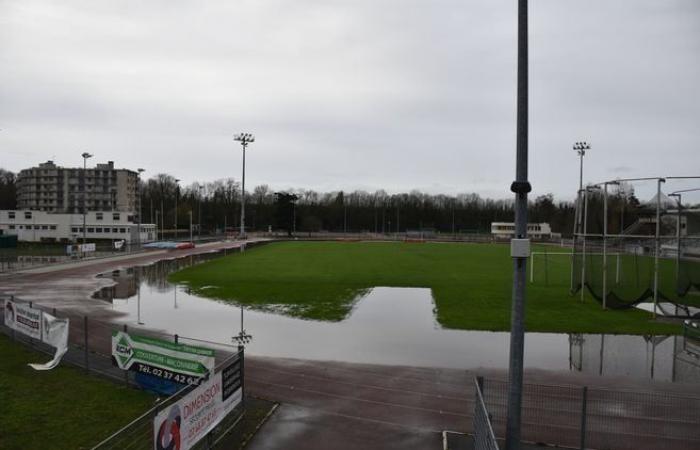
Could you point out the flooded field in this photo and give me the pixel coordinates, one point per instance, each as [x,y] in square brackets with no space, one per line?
[387,326]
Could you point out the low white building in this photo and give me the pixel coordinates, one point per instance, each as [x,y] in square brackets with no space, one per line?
[506,230]
[41,226]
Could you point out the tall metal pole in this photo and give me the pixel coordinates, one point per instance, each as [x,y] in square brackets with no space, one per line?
[244,144]
[585,232]
[605,244]
[85,156]
[520,187]
[138,224]
[199,225]
[657,246]
[244,139]
[177,194]
[191,240]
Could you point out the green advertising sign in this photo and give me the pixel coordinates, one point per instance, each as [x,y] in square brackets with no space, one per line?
[168,360]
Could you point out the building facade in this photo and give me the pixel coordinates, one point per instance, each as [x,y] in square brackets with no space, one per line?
[506,230]
[55,189]
[42,226]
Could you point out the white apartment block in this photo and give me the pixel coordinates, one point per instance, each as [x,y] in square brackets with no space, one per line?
[42,226]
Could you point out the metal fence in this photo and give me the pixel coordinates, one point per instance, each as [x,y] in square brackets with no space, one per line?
[598,418]
[484,437]
[31,256]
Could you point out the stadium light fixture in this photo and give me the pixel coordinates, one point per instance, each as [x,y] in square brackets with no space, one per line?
[580,148]
[244,139]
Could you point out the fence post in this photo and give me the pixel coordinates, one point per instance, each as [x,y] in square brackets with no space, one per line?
[14,338]
[177,339]
[126,372]
[584,402]
[241,355]
[53,311]
[85,331]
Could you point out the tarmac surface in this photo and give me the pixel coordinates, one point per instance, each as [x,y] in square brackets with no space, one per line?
[345,405]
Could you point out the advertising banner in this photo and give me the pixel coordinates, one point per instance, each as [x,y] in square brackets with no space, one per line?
[80,248]
[20,317]
[181,363]
[55,334]
[41,326]
[186,422]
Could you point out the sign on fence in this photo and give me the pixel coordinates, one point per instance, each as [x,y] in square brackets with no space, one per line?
[186,422]
[181,363]
[80,248]
[41,326]
[23,318]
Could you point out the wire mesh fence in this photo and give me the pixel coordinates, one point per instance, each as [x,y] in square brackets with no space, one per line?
[586,417]
[484,437]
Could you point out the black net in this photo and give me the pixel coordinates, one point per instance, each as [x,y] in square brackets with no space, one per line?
[624,269]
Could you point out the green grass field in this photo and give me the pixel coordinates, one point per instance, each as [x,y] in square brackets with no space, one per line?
[471,285]
[61,408]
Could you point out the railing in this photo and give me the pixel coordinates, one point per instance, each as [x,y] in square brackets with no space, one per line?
[484,438]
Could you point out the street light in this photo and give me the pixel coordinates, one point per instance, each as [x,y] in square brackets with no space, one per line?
[85,156]
[244,139]
[177,193]
[138,226]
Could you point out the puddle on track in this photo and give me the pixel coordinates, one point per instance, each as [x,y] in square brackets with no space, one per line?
[394,326]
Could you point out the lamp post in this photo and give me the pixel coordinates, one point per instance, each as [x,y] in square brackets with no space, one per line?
[138,224]
[580,148]
[85,156]
[177,194]
[244,139]
[520,244]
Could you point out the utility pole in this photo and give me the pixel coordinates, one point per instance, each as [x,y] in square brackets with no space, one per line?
[244,139]
[85,156]
[520,245]
[177,194]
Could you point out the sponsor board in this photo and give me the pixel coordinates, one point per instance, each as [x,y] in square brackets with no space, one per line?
[182,363]
[80,248]
[22,318]
[41,326]
[184,423]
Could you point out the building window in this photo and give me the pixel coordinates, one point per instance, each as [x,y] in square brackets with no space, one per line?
[115,230]
[91,230]
[27,214]
[12,227]
[37,227]
[44,227]
[74,229]
[97,230]
[115,216]
[98,216]
[122,230]
[53,227]
[10,214]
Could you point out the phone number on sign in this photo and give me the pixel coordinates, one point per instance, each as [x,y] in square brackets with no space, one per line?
[167,374]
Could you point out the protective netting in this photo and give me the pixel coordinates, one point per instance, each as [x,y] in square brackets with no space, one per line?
[624,265]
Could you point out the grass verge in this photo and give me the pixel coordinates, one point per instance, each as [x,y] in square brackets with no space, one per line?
[61,408]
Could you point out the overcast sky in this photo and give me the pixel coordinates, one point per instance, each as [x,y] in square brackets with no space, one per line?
[361,94]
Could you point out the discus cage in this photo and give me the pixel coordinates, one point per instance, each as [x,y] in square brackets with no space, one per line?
[636,243]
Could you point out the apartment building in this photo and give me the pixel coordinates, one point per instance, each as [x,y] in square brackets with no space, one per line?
[51,188]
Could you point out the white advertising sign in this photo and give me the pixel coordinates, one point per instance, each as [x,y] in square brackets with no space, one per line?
[54,333]
[39,325]
[184,423]
[22,318]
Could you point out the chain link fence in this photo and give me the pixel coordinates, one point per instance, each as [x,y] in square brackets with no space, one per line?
[598,418]
[484,437]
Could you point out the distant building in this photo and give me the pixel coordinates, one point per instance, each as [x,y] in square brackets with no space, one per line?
[41,226]
[55,189]
[506,230]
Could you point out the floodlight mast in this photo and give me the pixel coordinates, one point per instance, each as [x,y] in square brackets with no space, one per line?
[244,139]
[581,148]
[85,156]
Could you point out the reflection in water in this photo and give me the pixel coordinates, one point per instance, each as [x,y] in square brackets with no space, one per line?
[389,326]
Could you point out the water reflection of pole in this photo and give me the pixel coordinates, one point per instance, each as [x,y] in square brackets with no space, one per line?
[602,350]
[138,298]
[175,295]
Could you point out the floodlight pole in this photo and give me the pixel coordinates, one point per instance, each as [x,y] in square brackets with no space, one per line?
[580,148]
[244,139]
[519,245]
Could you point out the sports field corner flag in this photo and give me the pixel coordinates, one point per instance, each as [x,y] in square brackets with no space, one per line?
[41,326]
